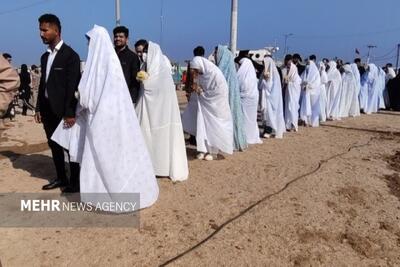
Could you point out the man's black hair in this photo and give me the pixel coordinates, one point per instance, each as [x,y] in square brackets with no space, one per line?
[199,51]
[297,56]
[142,42]
[24,68]
[357,60]
[242,54]
[288,57]
[389,65]
[313,57]
[122,29]
[7,55]
[52,19]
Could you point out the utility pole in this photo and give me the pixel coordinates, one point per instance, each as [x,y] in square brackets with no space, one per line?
[234,22]
[397,60]
[117,12]
[369,51]
[285,50]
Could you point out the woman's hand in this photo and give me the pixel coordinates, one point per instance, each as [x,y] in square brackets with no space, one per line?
[196,88]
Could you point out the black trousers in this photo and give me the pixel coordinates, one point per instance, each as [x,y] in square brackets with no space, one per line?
[26,106]
[50,122]
[10,113]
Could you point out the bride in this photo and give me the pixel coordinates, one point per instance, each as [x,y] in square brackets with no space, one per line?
[107,140]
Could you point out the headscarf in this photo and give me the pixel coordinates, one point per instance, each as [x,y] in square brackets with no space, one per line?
[293,73]
[102,68]
[226,63]
[216,118]
[160,119]
[311,76]
[210,73]
[333,73]
[322,72]
[272,86]
[247,75]
[390,75]
[107,127]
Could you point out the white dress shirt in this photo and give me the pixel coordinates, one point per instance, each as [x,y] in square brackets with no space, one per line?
[50,59]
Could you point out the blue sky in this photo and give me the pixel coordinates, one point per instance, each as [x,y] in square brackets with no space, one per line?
[326,28]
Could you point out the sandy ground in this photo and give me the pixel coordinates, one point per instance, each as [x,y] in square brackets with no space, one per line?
[320,197]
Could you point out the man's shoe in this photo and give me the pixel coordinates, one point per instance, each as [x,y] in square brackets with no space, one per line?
[54,184]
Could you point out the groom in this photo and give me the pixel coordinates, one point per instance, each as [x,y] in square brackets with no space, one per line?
[60,67]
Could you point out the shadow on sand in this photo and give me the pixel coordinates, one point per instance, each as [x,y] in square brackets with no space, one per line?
[38,166]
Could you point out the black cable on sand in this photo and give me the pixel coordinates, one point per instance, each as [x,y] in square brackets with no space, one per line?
[243,212]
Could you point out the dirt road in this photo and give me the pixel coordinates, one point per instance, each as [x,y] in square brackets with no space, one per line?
[322,197]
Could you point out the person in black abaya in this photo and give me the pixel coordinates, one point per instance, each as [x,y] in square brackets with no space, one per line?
[394,93]
[25,88]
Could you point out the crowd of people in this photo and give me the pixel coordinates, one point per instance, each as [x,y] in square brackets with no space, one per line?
[26,96]
[119,120]
[285,96]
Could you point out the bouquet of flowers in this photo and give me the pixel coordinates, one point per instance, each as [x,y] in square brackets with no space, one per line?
[142,76]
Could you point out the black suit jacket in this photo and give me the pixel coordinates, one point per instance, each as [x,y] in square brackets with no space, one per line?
[300,69]
[130,66]
[62,83]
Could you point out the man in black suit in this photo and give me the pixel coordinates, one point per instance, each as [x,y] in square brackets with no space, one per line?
[297,60]
[129,60]
[360,66]
[60,67]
